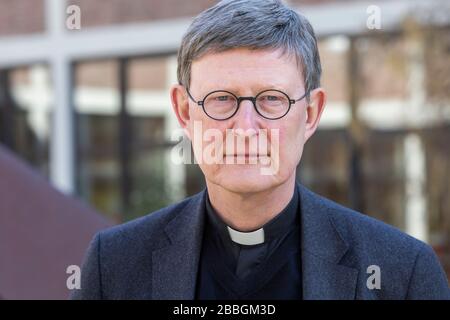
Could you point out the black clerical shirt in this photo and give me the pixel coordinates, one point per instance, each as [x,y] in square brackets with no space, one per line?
[269,270]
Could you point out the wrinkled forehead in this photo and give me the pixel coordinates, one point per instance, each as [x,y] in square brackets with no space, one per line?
[248,68]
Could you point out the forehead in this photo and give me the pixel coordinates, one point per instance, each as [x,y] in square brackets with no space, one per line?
[237,68]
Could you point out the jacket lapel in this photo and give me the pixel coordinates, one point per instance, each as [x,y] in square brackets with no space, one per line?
[175,266]
[324,276]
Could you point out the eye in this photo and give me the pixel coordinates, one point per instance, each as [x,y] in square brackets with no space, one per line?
[223,98]
[272,98]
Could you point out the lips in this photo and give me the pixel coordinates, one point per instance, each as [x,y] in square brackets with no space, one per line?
[247,155]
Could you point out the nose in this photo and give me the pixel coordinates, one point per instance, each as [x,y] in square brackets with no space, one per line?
[246,116]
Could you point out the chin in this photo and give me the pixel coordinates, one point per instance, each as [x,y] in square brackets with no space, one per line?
[245,179]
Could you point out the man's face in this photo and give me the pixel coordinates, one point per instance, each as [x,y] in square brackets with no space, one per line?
[247,72]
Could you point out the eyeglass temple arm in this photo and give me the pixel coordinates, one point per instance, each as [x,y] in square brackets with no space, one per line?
[302,97]
[200,103]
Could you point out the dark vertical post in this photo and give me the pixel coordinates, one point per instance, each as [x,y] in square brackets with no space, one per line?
[124,139]
[75,127]
[7,117]
[355,131]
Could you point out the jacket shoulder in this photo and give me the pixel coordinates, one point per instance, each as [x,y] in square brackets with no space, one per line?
[409,267]
[146,228]
[360,230]
[118,263]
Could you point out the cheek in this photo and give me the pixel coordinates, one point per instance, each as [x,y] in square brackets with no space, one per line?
[291,139]
[296,129]
[195,116]
[291,145]
[206,134]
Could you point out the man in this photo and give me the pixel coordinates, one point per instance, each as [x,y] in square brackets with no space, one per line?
[251,70]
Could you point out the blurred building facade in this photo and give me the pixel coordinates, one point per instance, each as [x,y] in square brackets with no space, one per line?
[90,108]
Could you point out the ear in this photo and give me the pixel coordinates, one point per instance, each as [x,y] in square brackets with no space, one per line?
[314,111]
[180,105]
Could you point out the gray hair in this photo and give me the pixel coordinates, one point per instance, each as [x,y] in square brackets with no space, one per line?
[252,24]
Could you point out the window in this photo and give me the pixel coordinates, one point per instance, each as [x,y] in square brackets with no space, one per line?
[97,107]
[124,127]
[25,113]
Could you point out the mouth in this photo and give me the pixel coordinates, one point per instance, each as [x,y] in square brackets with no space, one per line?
[247,155]
[246,158]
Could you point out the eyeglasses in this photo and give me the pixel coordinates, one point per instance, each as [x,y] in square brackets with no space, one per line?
[271,104]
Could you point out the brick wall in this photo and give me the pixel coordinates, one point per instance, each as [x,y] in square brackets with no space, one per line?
[28,16]
[21,17]
[106,12]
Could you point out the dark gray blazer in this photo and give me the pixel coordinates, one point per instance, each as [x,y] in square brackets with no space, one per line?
[157,256]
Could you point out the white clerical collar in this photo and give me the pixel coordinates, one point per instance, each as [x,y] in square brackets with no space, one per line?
[247,238]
